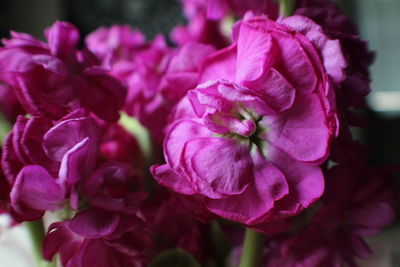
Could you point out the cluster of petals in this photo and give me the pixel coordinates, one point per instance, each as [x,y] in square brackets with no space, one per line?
[139,65]
[109,232]
[52,166]
[247,142]
[52,79]
[43,161]
[157,76]
[359,202]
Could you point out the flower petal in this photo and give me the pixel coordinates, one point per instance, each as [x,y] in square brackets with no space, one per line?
[94,223]
[255,53]
[301,131]
[253,205]
[36,189]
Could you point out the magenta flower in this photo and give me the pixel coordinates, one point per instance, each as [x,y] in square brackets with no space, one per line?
[141,66]
[273,116]
[157,75]
[43,162]
[108,233]
[52,79]
[115,43]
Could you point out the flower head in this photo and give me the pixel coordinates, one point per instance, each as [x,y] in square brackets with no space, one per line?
[249,141]
[52,79]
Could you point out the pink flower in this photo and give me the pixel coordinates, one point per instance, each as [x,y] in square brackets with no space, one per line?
[115,43]
[157,75]
[141,66]
[51,79]
[273,116]
[144,77]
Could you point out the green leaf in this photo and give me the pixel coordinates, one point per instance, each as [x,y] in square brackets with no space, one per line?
[142,135]
[175,258]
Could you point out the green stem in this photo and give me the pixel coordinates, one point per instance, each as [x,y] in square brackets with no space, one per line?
[5,128]
[252,249]
[36,233]
[286,7]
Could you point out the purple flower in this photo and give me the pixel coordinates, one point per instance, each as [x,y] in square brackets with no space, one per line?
[157,76]
[141,66]
[268,112]
[43,161]
[106,231]
[115,43]
[52,79]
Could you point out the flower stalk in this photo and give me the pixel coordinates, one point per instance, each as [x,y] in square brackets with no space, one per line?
[5,128]
[36,234]
[286,7]
[252,249]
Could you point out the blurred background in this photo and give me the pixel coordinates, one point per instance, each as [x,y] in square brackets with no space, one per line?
[378,21]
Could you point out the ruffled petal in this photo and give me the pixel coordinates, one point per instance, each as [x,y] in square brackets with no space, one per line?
[222,166]
[301,131]
[220,65]
[255,53]
[254,204]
